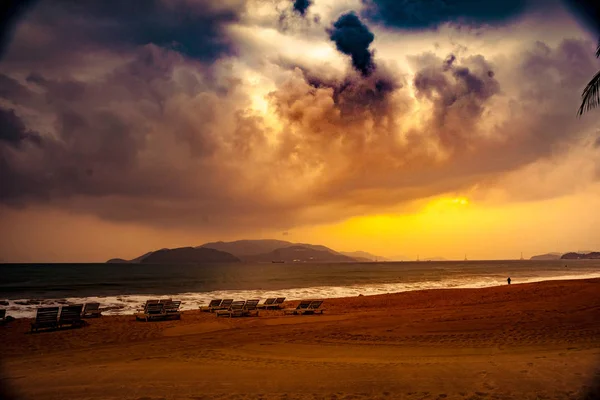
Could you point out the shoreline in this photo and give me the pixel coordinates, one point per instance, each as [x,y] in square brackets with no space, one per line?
[526,341]
[124,304]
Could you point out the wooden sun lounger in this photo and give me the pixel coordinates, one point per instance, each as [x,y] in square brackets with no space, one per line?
[279,301]
[270,302]
[70,315]
[250,308]
[236,308]
[153,311]
[91,310]
[314,308]
[212,305]
[46,317]
[225,304]
[171,309]
[148,302]
[299,309]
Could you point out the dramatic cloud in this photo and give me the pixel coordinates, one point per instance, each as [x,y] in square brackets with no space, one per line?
[429,14]
[458,95]
[12,129]
[587,11]
[10,13]
[353,38]
[159,121]
[61,31]
[300,6]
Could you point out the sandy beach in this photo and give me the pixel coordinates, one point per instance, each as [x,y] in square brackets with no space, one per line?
[529,341]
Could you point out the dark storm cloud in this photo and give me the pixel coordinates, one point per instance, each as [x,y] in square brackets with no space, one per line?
[13,130]
[587,11]
[353,38]
[10,13]
[193,28]
[458,94]
[354,96]
[11,89]
[429,14]
[301,6]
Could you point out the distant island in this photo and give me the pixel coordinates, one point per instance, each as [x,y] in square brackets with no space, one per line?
[574,255]
[547,256]
[267,250]
[181,255]
[594,255]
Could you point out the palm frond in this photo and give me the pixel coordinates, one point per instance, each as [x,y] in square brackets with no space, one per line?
[590,98]
[598,49]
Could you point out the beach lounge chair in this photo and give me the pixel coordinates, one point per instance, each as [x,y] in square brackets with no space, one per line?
[70,315]
[299,309]
[279,302]
[314,308]
[171,309]
[211,306]
[152,311]
[91,310]
[270,302]
[148,302]
[235,309]
[225,304]
[46,317]
[250,308]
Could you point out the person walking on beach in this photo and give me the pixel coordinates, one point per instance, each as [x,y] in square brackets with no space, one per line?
[508,280]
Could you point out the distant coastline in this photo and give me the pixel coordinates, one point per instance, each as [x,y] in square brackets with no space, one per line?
[281,251]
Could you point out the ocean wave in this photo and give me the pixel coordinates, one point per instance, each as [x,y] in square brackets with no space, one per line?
[128,304]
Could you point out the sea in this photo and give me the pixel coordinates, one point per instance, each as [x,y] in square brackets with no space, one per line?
[124,288]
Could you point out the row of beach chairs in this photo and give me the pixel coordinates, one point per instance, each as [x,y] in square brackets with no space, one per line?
[160,310]
[57,317]
[274,303]
[306,307]
[248,308]
[231,308]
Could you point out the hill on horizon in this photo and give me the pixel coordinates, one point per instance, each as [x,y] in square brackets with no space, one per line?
[249,247]
[299,254]
[181,255]
[547,256]
[261,250]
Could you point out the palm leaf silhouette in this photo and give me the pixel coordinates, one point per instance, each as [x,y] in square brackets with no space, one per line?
[590,98]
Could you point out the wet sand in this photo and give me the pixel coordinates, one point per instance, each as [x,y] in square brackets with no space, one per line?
[530,341]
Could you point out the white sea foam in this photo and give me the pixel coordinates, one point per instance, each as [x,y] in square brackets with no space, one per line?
[128,304]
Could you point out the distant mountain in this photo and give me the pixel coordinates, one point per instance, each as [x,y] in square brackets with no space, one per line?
[299,254]
[182,255]
[265,250]
[363,256]
[581,256]
[547,256]
[245,248]
[117,261]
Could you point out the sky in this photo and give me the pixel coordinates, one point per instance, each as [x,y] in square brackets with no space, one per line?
[437,128]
